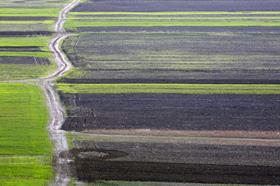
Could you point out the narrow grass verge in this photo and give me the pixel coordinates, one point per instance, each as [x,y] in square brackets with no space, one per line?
[169,88]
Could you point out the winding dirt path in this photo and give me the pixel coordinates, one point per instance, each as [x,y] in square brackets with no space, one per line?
[56,110]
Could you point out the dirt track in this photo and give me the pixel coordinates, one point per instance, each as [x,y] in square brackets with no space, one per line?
[56,110]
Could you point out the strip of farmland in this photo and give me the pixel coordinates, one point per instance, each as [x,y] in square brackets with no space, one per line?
[178,5]
[23,25]
[26,152]
[168,57]
[169,88]
[208,19]
[177,107]
[181,91]
[24,57]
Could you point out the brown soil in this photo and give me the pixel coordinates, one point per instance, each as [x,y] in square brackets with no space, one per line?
[175,163]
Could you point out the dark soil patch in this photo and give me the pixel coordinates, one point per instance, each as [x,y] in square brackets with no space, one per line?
[176,163]
[24,18]
[24,60]
[169,172]
[175,57]
[23,33]
[172,112]
[22,48]
[178,5]
[195,81]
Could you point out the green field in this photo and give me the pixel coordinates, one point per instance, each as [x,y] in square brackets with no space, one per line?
[42,12]
[164,19]
[170,88]
[24,19]
[19,72]
[25,25]
[39,41]
[12,42]
[26,28]
[131,62]
[25,71]
[25,151]
[171,22]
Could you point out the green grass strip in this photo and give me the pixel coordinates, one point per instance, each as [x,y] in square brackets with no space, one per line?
[36,12]
[149,19]
[13,22]
[32,54]
[170,88]
[172,22]
[22,71]
[177,18]
[41,41]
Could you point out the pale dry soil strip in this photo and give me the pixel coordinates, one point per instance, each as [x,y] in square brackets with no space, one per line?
[57,115]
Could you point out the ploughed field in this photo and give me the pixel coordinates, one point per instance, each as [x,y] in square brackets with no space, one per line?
[172,112]
[168,57]
[180,162]
[181,91]
[171,106]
